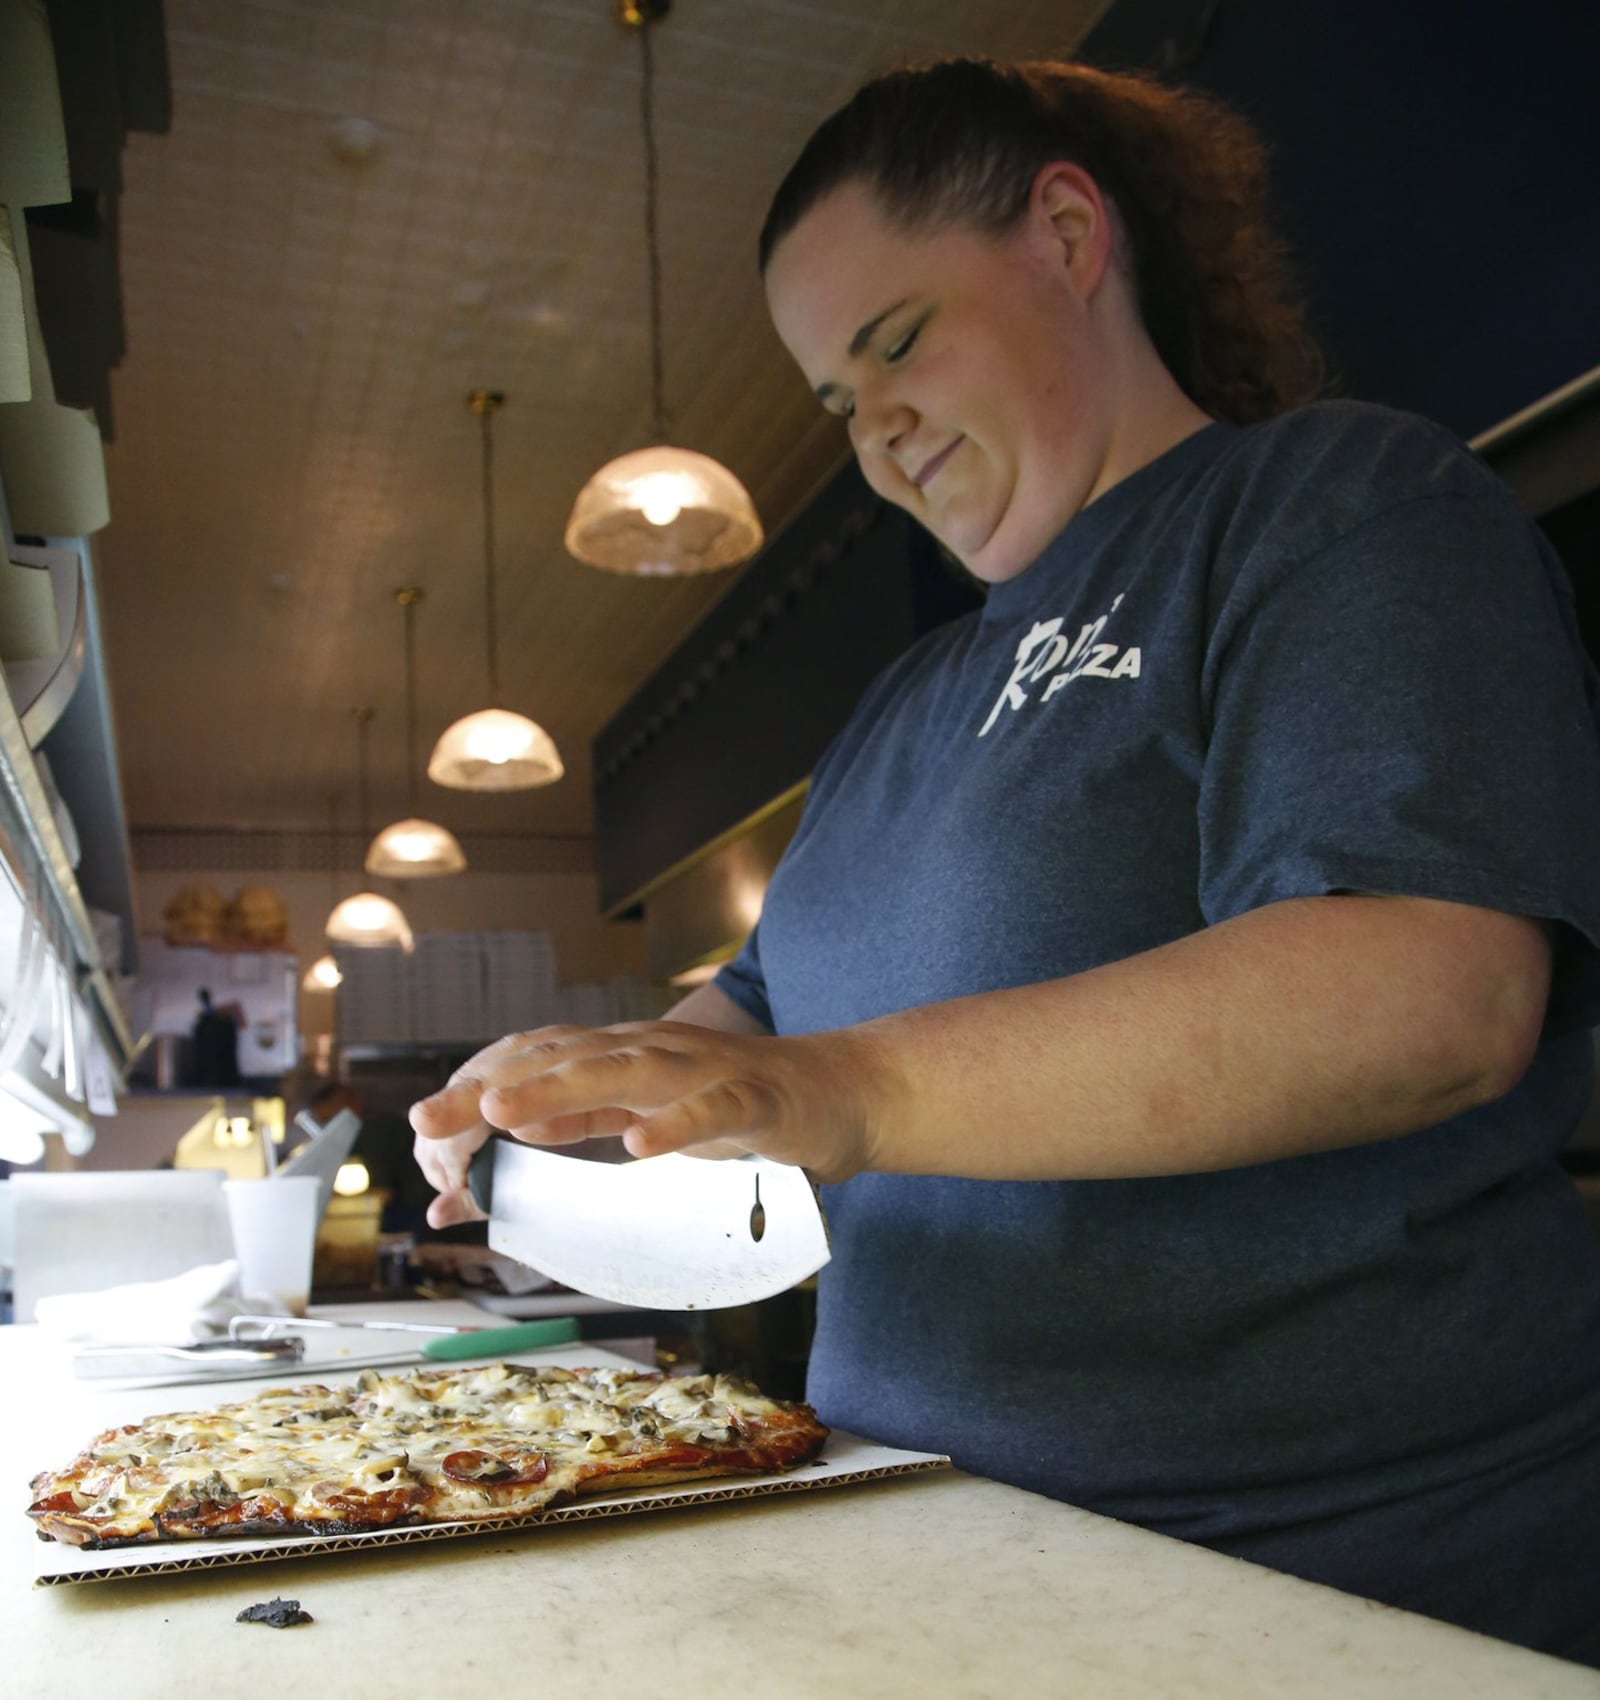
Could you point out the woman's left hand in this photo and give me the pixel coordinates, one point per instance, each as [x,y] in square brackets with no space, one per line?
[815,1100]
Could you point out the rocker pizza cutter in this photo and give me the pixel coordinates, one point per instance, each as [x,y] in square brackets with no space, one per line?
[663,1233]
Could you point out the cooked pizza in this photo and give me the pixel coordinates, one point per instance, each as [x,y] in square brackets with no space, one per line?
[430,1445]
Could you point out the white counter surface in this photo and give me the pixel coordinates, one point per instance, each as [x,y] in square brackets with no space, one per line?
[937,1585]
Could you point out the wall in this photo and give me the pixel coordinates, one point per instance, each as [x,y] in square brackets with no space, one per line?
[1401,137]
[566,905]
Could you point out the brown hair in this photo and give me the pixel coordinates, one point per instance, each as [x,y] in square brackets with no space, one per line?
[962,140]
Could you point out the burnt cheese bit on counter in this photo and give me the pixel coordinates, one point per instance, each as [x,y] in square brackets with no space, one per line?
[281,1614]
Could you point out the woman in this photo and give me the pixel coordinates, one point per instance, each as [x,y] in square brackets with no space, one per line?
[1181,971]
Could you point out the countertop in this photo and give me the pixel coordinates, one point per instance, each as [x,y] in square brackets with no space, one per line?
[932,1585]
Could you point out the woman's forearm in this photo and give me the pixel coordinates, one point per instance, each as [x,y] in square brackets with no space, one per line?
[1302,1026]
[706,1006]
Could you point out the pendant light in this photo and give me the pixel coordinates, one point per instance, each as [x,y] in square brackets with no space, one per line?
[494,749]
[323,975]
[367,919]
[413,848]
[661,510]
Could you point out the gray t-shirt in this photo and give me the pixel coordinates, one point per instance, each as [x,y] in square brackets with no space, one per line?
[1322,654]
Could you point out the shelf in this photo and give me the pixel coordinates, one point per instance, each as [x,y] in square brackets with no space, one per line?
[31,841]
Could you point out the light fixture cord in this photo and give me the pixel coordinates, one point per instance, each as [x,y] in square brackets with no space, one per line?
[333,849]
[487,417]
[410,605]
[652,236]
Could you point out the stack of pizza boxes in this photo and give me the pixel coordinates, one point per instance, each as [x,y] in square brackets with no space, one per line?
[447,972]
[520,990]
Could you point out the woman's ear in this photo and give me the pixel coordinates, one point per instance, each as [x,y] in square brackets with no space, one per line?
[1075,219]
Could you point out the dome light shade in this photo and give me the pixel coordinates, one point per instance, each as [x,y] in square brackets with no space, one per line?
[494,750]
[663,511]
[322,976]
[351,1180]
[370,921]
[414,849]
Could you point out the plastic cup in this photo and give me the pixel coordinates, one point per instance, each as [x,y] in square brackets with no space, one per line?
[274,1225]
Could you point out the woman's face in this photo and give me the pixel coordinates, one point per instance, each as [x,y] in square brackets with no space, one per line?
[970,368]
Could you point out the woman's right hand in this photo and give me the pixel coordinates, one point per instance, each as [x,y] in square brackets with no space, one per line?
[450,1128]
[455,1130]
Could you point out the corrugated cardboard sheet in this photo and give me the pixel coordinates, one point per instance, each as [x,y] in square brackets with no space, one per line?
[845,1459]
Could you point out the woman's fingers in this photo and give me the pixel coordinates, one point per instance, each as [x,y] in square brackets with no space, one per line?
[639,1067]
[609,1122]
[444,1161]
[449,1208]
[606,1077]
[736,1110]
[448,1112]
[455,1108]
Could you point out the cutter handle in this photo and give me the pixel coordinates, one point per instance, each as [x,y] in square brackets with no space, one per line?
[480,1176]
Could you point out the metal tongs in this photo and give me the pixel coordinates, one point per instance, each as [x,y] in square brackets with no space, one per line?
[265,1328]
[447,1340]
[255,1345]
[216,1357]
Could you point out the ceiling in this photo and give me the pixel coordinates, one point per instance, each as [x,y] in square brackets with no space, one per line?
[303,327]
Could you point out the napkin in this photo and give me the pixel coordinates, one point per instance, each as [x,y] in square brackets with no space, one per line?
[191,1306]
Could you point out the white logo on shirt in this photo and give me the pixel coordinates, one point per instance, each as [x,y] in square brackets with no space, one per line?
[1046,650]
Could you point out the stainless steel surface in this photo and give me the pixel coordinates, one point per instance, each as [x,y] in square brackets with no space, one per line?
[1584,388]
[667,1233]
[169,1060]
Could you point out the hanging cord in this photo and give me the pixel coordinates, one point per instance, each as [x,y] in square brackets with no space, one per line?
[408,600]
[333,851]
[484,403]
[652,235]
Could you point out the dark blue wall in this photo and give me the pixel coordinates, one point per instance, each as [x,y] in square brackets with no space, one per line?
[1437,164]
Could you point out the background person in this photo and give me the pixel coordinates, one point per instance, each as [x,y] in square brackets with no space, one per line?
[214,1042]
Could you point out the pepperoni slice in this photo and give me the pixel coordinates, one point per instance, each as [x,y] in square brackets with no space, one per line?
[496,1469]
